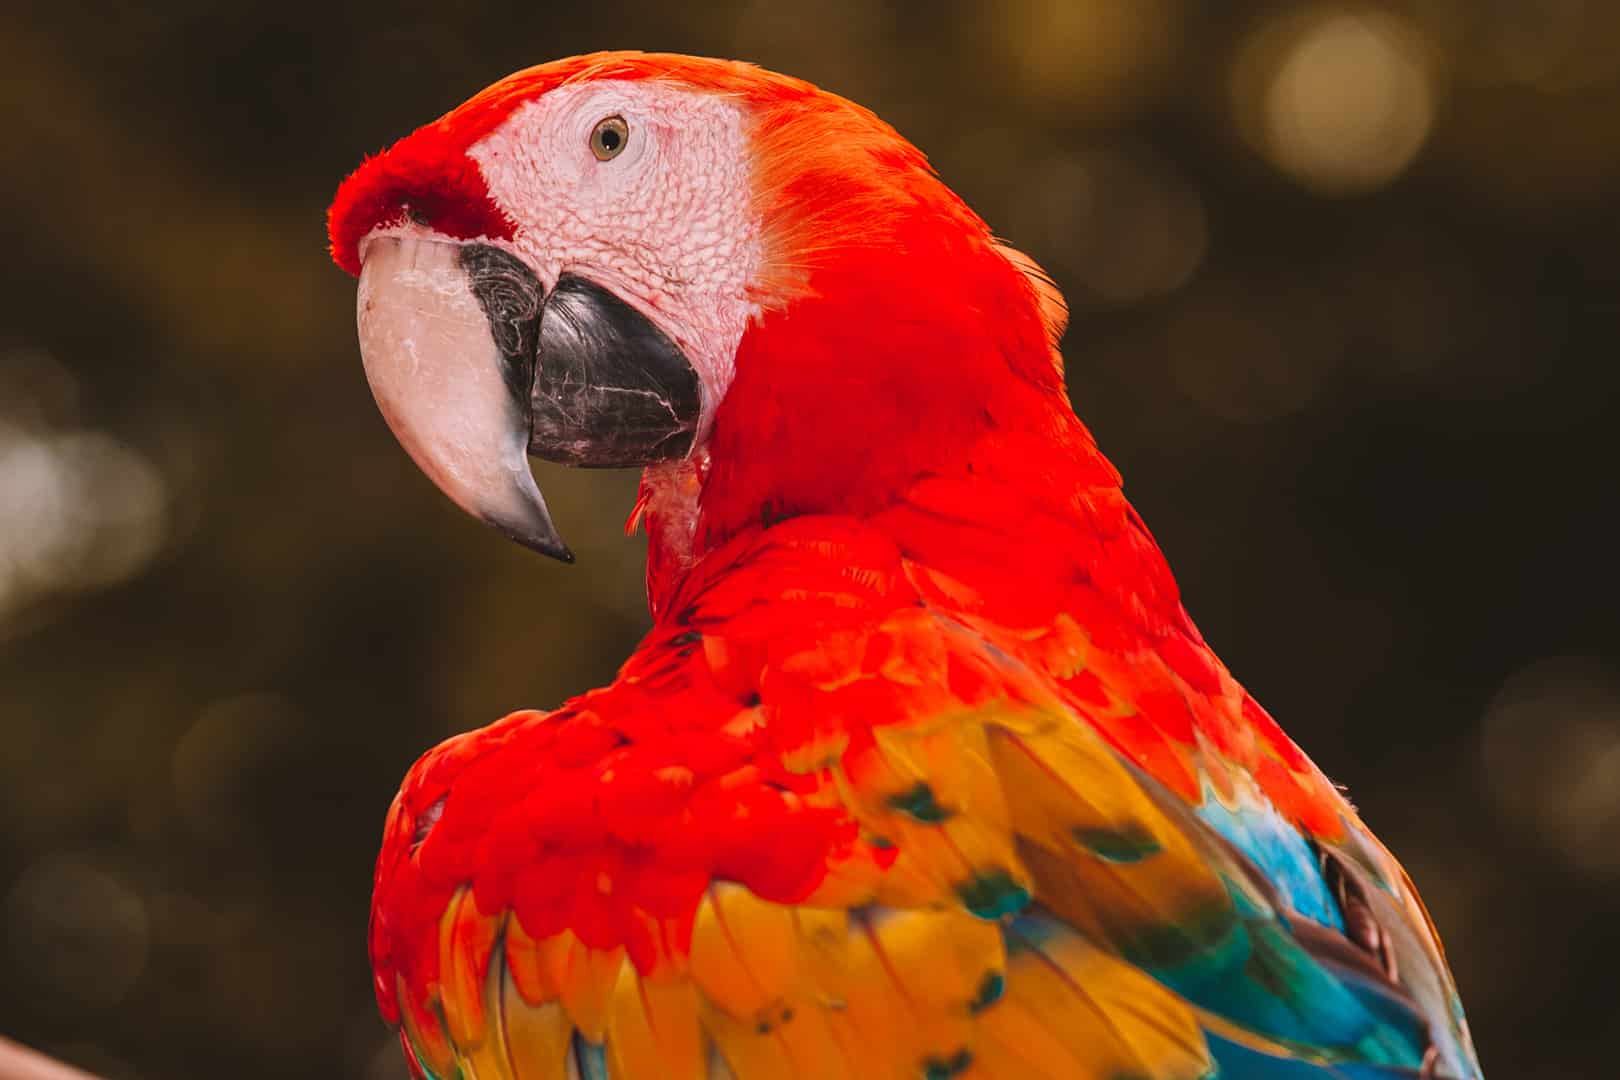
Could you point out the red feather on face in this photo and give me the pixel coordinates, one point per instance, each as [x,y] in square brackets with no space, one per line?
[922,769]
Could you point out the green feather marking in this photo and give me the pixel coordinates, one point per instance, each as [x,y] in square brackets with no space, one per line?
[1130,844]
[990,991]
[993,894]
[919,803]
[945,1068]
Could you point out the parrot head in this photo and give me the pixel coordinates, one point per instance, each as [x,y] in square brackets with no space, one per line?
[754,287]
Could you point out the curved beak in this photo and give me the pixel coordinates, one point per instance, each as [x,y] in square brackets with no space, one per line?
[463,352]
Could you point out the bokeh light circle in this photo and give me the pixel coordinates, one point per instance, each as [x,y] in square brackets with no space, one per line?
[1341,101]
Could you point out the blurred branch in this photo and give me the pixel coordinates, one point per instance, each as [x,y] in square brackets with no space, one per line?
[20,1063]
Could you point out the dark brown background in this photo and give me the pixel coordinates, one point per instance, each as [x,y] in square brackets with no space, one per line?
[1346,316]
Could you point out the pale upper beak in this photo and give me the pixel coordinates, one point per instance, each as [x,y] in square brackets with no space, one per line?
[474,367]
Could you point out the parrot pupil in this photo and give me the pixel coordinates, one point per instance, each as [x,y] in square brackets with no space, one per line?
[608,137]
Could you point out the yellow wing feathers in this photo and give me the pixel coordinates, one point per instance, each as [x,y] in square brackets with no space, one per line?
[771,992]
[1024,852]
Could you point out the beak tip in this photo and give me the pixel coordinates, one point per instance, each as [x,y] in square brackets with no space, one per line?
[544,541]
[559,552]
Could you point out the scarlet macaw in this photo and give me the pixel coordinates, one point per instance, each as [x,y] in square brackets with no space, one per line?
[922,771]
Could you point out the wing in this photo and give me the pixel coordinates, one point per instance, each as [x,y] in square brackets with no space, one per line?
[825,825]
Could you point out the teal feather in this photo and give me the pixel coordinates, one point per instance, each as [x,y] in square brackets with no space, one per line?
[590,1058]
[1235,1062]
[1261,978]
[1276,847]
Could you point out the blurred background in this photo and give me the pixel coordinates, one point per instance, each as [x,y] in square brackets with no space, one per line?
[1347,315]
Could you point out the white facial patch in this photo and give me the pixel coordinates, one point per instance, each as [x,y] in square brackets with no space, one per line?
[668,224]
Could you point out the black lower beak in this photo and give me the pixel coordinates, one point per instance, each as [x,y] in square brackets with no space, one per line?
[474,367]
[610,388]
[602,387]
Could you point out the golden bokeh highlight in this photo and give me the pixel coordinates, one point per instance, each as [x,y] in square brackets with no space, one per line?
[1342,101]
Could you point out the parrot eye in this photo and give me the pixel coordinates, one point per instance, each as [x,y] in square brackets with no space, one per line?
[608,137]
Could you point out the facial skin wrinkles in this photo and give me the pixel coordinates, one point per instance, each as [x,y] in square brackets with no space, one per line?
[669,224]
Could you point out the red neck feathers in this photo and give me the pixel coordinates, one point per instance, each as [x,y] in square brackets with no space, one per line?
[904,363]
[915,384]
